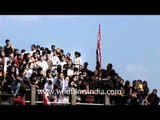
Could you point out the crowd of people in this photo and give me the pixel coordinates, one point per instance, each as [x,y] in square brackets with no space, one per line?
[50,69]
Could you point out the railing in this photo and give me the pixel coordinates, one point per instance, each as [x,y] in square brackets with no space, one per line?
[73,99]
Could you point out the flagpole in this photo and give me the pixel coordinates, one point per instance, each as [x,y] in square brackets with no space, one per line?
[99,50]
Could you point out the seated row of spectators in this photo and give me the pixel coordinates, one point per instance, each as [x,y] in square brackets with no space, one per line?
[53,70]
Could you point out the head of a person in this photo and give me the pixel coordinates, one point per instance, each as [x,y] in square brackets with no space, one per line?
[74,78]
[145,84]
[81,76]
[13,69]
[49,73]
[52,47]
[61,75]
[76,69]
[42,57]
[58,51]
[20,56]
[44,53]
[33,47]
[127,83]
[121,81]
[54,53]
[40,70]
[50,82]
[68,59]
[42,48]
[76,54]
[84,74]
[33,77]
[68,55]
[38,47]
[48,54]
[28,55]
[7,42]
[2,54]
[109,66]
[16,51]
[46,49]
[67,78]
[1,48]
[72,66]
[134,83]
[85,65]
[35,55]
[154,91]
[23,50]
[38,52]
[139,81]
[62,52]
[25,56]
[63,58]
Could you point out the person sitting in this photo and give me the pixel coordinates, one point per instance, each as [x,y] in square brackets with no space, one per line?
[152,98]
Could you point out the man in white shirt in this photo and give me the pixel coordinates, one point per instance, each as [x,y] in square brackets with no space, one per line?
[55,60]
[48,87]
[78,60]
[63,62]
[66,89]
[43,64]
[53,47]
[62,86]
[70,71]
[28,71]
[33,49]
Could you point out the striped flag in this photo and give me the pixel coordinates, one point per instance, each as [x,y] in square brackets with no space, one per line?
[45,99]
[99,50]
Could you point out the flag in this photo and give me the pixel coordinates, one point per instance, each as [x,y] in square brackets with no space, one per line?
[99,50]
[45,99]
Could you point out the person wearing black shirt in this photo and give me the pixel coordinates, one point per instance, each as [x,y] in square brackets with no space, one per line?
[153,99]
[8,49]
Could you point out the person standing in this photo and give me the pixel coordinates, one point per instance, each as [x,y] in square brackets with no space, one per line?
[8,48]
